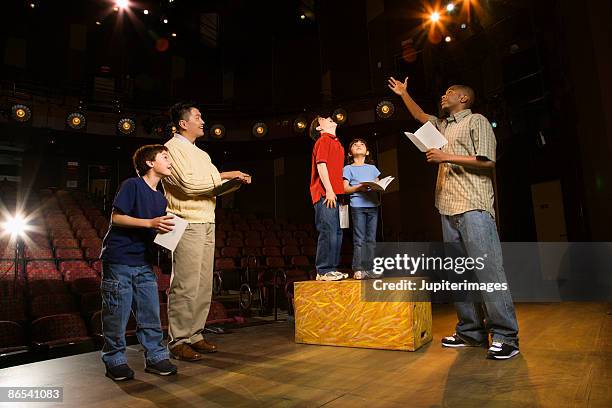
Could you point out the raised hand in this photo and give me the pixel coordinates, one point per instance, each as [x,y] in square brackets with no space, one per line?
[397,86]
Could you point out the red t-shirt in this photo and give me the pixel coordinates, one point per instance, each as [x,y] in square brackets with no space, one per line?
[329,150]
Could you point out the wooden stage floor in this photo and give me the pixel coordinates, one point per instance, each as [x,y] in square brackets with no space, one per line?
[565,361]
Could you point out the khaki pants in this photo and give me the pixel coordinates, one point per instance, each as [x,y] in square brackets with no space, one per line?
[191,284]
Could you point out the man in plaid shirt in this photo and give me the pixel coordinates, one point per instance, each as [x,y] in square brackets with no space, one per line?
[464,198]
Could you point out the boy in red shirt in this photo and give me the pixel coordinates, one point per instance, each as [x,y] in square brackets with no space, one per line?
[325,184]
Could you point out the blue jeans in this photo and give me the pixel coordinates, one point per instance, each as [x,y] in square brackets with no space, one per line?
[126,289]
[327,222]
[477,232]
[365,221]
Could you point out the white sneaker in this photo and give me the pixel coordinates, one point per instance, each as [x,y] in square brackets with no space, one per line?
[332,276]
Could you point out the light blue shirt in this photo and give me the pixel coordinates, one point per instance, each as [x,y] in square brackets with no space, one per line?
[358,174]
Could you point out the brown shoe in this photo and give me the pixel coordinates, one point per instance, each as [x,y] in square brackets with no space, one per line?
[185,352]
[203,346]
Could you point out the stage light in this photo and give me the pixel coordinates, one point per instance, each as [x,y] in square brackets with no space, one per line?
[303,17]
[494,124]
[146,12]
[340,116]
[32,5]
[299,125]
[21,113]
[126,126]
[217,131]
[448,38]
[385,109]
[450,7]
[463,26]
[174,34]
[434,17]
[15,225]
[115,8]
[122,3]
[165,21]
[98,23]
[76,120]
[259,130]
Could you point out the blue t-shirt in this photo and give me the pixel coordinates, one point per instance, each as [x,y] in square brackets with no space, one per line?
[133,246]
[358,174]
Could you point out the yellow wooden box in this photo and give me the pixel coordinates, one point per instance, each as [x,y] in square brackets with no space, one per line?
[337,314]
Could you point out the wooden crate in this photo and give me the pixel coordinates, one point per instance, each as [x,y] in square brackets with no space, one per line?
[336,314]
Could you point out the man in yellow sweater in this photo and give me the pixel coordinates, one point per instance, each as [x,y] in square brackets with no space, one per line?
[189,191]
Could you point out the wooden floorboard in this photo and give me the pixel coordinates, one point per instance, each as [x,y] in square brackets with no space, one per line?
[565,361]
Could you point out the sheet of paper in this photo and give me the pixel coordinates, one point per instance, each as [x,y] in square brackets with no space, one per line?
[343,210]
[170,240]
[427,137]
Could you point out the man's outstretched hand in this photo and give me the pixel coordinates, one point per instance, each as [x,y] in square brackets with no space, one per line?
[397,86]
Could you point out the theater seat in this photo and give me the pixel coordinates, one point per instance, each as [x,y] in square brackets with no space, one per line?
[51,304]
[66,253]
[12,338]
[59,330]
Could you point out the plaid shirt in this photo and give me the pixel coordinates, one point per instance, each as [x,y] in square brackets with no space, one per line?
[460,189]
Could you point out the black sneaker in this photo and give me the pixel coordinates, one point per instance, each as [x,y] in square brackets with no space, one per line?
[121,372]
[456,341]
[501,351]
[164,367]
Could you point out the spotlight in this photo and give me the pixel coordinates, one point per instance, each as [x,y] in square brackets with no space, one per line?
[98,23]
[165,20]
[122,3]
[76,121]
[450,7]
[434,17]
[115,8]
[174,34]
[448,38]
[494,124]
[32,5]
[463,26]
[385,109]
[217,131]
[146,12]
[259,130]
[340,116]
[303,17]
[299,125]
[21,113]
[126,126]
[16,226]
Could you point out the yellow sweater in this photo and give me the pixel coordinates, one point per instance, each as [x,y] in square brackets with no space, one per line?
[189,188]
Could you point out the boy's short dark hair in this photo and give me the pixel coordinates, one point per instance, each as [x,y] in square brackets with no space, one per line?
[468,91]
[312,131]
[143,155]
[181,111]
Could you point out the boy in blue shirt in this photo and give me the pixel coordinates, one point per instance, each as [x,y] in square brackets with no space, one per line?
[364,207]
[128,281]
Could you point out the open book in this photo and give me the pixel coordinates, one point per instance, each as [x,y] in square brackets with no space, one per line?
[427,137]
[170,240]
[380,185]
[227,186]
